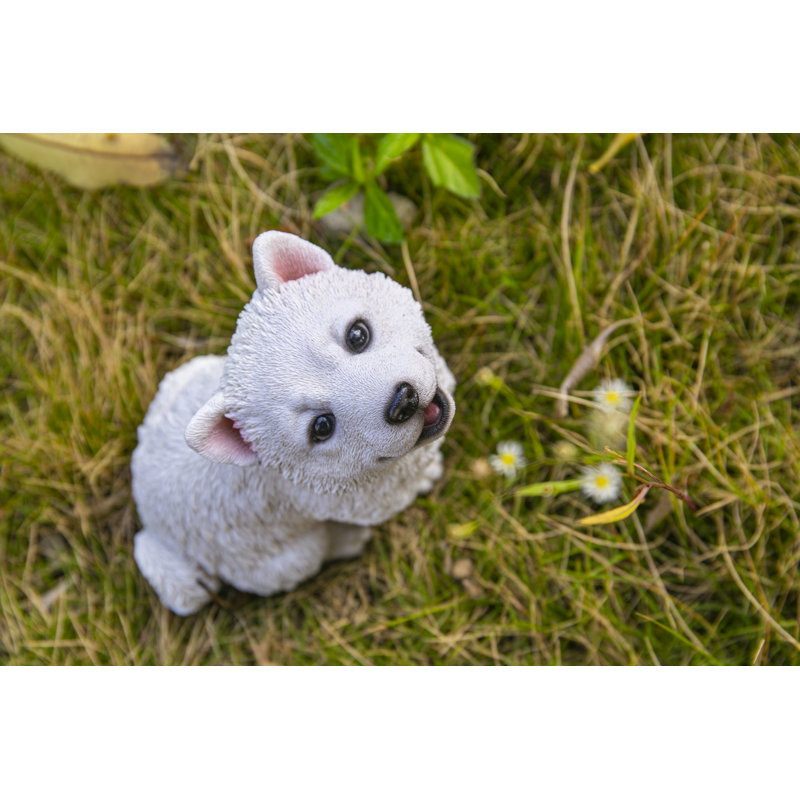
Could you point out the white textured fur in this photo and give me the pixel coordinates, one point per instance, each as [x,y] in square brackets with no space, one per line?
[228,483]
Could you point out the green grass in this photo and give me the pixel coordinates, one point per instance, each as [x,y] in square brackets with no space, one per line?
[695,239]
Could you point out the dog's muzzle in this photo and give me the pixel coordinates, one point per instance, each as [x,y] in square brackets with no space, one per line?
[437,416]
[404,406]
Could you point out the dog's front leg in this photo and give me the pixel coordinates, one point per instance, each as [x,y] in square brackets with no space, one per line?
[346,541]
[432,470]
[181,584]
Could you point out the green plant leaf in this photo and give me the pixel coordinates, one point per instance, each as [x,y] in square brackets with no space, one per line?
[549,488]
[392,146]
[380,216]
[334,150]
[334,197]
[357,162]
[448,161]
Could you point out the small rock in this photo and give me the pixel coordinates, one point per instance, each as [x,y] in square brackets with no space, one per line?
[351,215]
[481,469]
[463,568]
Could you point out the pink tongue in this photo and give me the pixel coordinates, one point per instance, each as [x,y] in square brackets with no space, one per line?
[432,414]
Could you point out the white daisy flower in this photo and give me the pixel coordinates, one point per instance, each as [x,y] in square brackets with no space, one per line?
[614,395]
[601,483]
[508,459]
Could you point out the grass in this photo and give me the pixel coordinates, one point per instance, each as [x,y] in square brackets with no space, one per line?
[694,239]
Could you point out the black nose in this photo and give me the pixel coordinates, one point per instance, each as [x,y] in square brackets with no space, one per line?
[404,404]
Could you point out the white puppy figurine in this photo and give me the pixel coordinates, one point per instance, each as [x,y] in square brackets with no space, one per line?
[324,418]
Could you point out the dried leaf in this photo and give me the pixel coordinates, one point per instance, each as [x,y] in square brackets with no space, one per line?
[49,598]
[95,160]
[619,513]
[585,361]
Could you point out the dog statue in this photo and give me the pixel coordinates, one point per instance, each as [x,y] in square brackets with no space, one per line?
[324,418]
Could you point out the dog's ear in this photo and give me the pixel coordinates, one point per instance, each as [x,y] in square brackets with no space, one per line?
[214,436]
[280,257]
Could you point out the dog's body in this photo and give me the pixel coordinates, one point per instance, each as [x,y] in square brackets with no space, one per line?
[325,417]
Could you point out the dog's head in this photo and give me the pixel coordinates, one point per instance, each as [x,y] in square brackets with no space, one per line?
[331,375]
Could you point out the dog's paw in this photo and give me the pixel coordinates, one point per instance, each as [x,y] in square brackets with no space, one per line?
[431,474]
[346,541]
[180,585]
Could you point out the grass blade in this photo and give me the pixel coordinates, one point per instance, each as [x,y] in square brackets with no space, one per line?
[631,450]
[617,143]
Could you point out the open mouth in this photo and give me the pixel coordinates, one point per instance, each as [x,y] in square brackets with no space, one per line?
[435,418]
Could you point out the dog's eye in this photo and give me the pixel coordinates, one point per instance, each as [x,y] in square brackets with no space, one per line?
[322,428]
[358,336]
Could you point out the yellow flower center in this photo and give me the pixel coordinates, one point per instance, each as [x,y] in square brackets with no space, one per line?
[612,398]
[601,481]
[508,459]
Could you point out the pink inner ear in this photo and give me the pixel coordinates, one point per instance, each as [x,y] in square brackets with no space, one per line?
[292,263]
[282,257]
[225,440]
